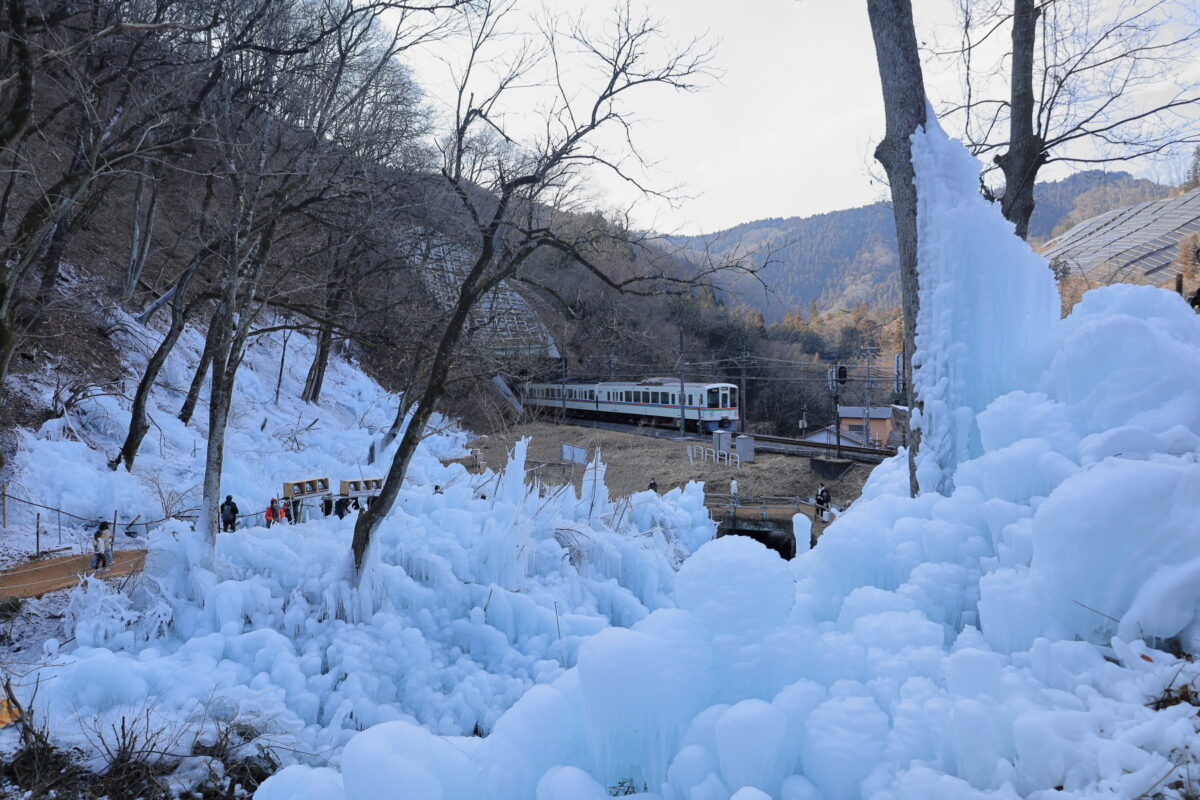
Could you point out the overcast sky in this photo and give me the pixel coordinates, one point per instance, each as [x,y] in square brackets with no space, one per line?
[788,128]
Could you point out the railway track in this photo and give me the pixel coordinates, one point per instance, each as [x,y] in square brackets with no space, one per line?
[853,452]
[768,444]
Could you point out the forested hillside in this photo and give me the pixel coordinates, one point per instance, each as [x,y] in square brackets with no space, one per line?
[846,257]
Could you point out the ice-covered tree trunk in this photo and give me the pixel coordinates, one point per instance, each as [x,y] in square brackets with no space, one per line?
[987,313]
[904,108]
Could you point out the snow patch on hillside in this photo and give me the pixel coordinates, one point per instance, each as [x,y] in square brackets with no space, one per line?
[470,596]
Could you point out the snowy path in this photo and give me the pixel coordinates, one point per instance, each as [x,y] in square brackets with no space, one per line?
[34,580]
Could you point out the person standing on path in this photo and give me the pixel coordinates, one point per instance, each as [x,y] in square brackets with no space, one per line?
[106,535]
[229,515]
[274,512]
[733,492]
[823,501]
[99,559]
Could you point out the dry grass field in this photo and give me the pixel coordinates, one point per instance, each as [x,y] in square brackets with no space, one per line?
[633,461]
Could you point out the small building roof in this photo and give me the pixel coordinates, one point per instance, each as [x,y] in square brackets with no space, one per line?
[828,435]
[860,412]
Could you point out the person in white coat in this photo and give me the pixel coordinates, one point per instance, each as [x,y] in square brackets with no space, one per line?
[733,492]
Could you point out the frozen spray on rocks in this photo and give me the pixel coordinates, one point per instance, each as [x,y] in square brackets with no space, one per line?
[465,605]
[932,647]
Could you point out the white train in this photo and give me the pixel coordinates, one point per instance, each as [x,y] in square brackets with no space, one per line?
[706,406]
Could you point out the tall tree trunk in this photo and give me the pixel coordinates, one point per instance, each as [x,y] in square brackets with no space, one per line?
[138,422]
[904,107]
[219,401]
[233,320]
[315,379]
[141,232]
[1026,150]
[214,456]
[282,364]
[435,387]
[206,358]
[316,371]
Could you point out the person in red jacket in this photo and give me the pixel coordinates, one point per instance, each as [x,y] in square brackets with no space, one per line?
[274,512]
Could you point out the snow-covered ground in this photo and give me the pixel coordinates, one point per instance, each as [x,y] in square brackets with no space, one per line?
[470,597]
[985,639]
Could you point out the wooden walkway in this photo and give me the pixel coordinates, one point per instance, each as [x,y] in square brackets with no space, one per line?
[48,575]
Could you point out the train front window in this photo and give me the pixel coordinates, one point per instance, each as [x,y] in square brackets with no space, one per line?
[714,398]
[733,398]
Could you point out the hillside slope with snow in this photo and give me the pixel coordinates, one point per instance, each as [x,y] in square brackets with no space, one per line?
[995,637]
[471,594]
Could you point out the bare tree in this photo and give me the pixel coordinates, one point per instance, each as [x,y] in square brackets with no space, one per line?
[1089,82]
[527,180]
[88,90]
[279,127]
[905,107]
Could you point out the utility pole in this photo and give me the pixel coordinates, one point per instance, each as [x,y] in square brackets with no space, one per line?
[563,399]
[682,396]
[870,351]
[742,404]
[837,379]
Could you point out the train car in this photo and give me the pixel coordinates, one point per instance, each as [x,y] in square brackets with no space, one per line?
[706,406]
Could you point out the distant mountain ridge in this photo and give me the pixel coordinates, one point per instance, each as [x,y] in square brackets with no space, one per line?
[841,258]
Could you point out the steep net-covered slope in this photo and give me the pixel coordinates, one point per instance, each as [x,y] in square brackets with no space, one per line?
[985,641]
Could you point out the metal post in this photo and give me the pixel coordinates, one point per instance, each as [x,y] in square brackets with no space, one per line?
[742,404]
[564,380]
[837,425]
[37,533]
[682,395]
[835,388]
[4,505]
[58,513]
[869,352]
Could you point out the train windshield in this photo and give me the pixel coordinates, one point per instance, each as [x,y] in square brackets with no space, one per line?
[733,398]
[714,398]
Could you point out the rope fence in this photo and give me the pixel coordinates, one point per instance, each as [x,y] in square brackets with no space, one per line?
[132,526]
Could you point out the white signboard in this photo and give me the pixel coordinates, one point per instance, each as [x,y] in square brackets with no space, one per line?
[574,455]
